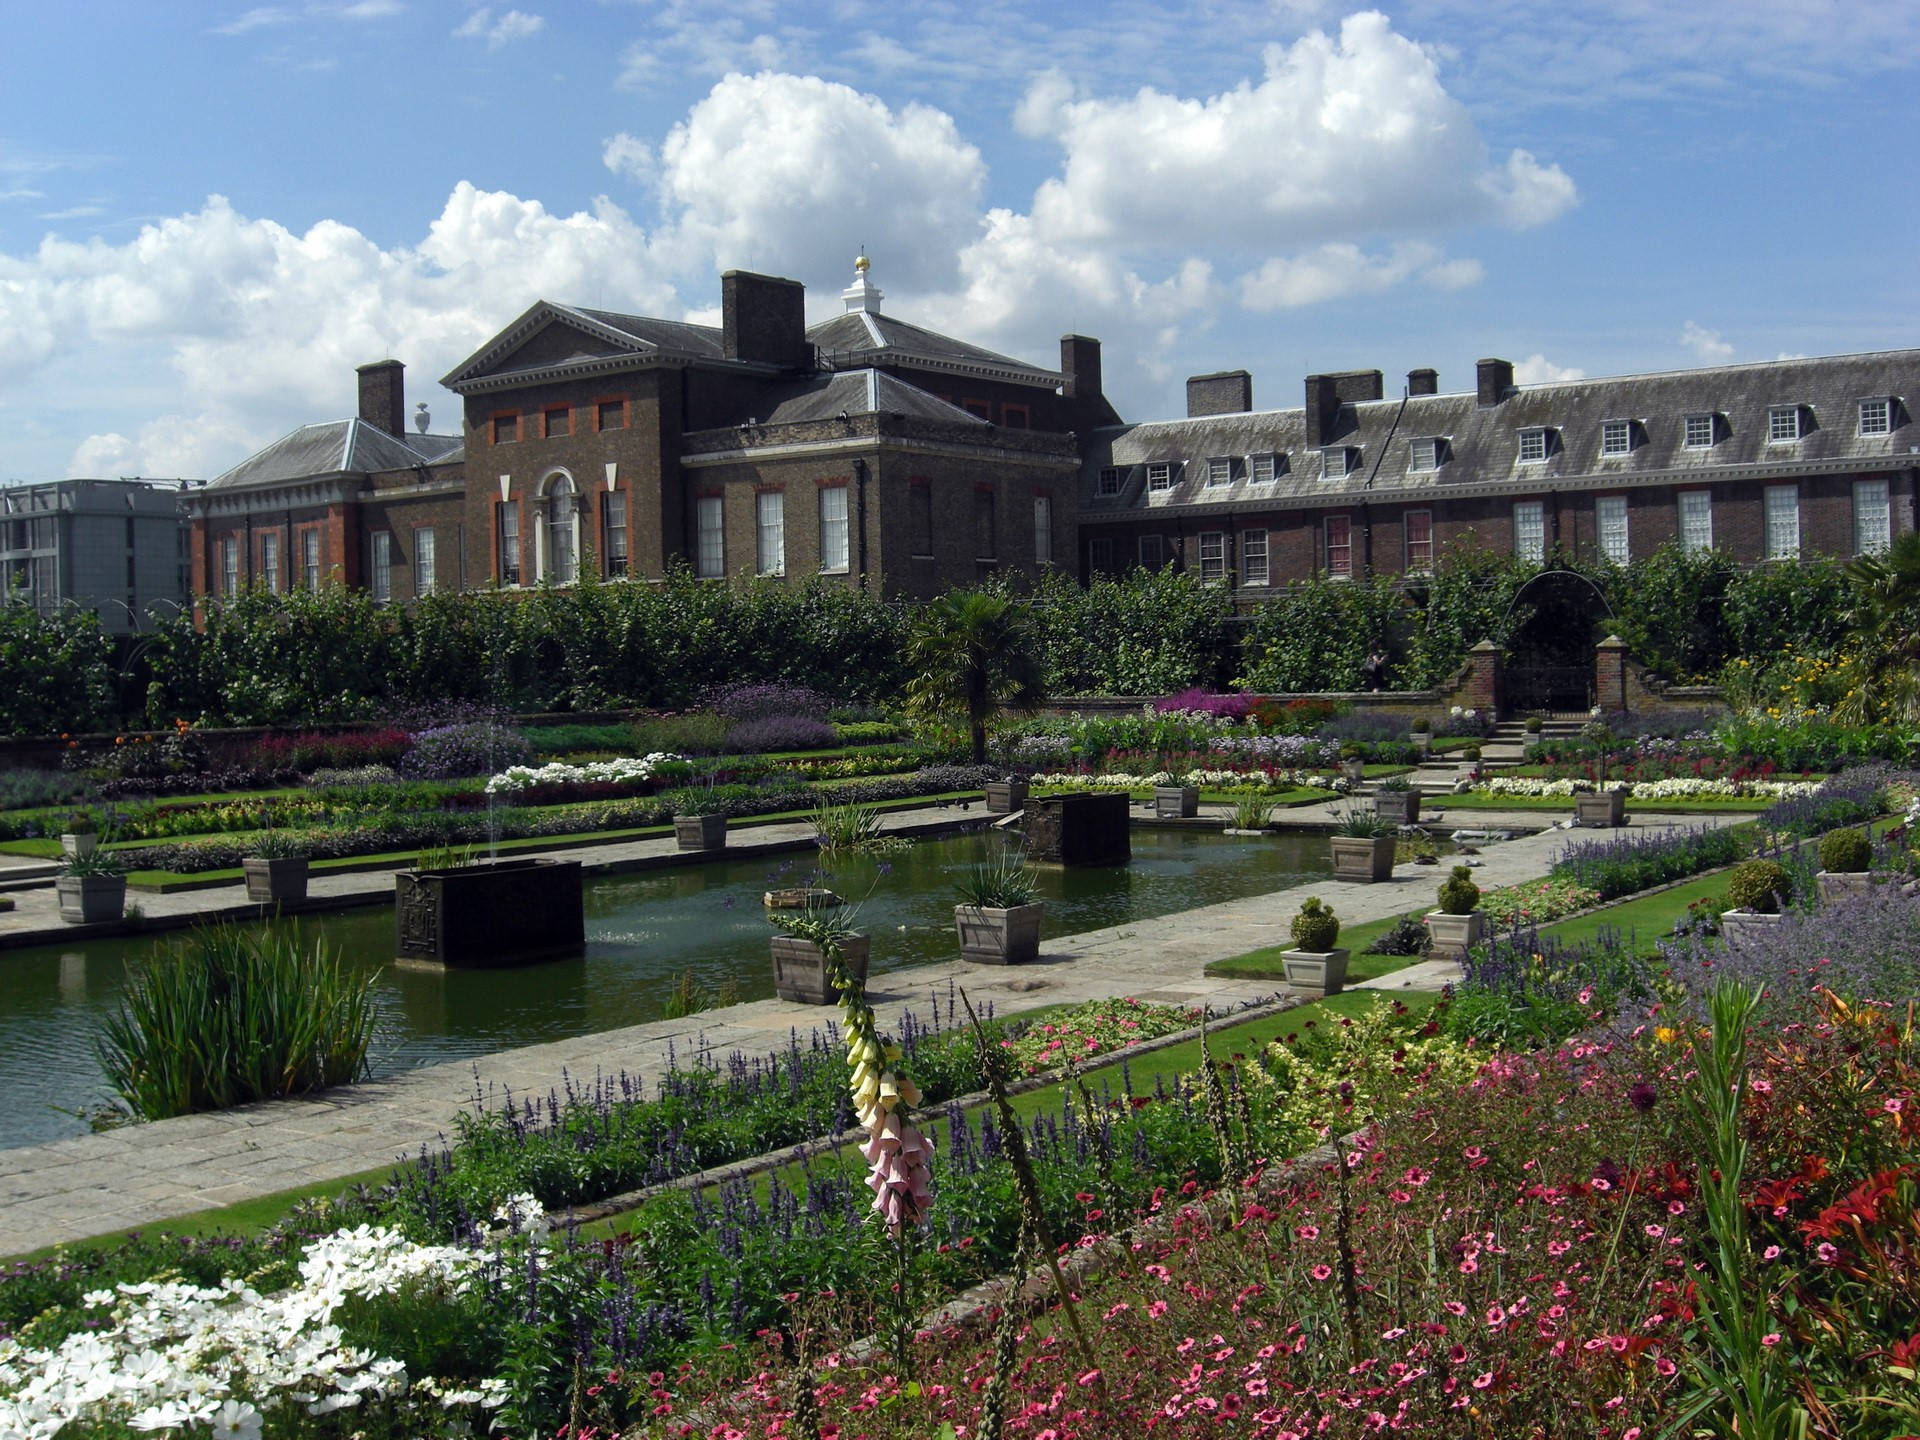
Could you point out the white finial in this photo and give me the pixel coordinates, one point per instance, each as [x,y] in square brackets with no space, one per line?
[863,294]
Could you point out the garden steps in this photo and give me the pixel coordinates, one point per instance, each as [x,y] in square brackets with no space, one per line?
[20,873]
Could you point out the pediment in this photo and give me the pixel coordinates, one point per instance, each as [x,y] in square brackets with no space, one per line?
[546,337]
[558,342]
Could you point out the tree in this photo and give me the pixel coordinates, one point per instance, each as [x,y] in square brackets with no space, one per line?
[972,654]
[1885,621]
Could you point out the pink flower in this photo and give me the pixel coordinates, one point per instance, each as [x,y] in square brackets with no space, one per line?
[1323,1272]
[1770,1340]
[1826,1254]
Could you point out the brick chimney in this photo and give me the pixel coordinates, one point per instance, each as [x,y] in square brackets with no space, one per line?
[1228,392]
[1327,394]
[764,319]
[1080,363]
[383,396]
[1496,380]
[1423,382]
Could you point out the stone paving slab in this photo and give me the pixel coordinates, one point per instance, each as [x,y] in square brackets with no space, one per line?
[93,1184]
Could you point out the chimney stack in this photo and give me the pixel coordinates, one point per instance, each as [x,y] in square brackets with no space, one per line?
[1423,382]
[383,396]
[1496,380]
[1228,392]
[1327,394]
[1080,363]
[764,319]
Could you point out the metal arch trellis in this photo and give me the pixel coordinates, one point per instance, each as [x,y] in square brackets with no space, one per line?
[1586,580]
[1546,688]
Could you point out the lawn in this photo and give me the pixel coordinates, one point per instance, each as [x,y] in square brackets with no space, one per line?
[1265,964]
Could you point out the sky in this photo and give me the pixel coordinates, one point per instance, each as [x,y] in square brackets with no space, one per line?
[211,212]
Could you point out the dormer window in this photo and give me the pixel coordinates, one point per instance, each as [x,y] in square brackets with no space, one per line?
[1338,461]
[1265,469]
[1702,431]
[1785,423]
[1616,437]
[1876,416]
[1427,453]
[1160,475]
[1110,480]
[1219,471]
[1535,444]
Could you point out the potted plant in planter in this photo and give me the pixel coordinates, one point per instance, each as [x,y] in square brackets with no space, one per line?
[1421,733]
[1176,802]
[79,837]
[1314,964]
[1363,847]
[1006,796]
[1352,768]
[1396,800]
[1755,891]
[1251,813]
[276,870]
[1458,925]
[92,888]
[999,917]
[1846,857]
[701,822]
[811,944]
[1601,809]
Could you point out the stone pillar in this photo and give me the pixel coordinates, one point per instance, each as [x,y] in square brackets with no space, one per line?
[1610,674]
[1483,680]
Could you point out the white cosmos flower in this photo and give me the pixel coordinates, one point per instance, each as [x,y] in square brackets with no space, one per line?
[236,1420]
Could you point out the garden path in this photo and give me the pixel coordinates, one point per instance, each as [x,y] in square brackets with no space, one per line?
[95,1184]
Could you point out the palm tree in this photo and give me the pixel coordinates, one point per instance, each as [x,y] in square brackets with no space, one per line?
[1885,639]
[971,655]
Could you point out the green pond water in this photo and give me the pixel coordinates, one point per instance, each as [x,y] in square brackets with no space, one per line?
[643,932]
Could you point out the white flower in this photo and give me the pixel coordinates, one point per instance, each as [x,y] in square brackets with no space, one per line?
[236,1420]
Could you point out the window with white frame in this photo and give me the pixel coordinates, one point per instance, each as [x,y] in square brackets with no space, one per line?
[310,558]
[710,537]
[230,568]
[1219,471]
[1419,529]
[1616,437]
[1872,517]
[1152,551]
[1876,416]
[770,532]
[423,560]
[1160,475]
[1534,444]
[1782,507]
[560,532]
[1696,521]
[1701,431]
[613,540]
[1426,453]
[1110,480]
[508,512]
[1336,462]
[1043,530]
[1100,555]
[1784,422]
[1530,530]
[269,561]
[1263,469]
[1339,533]
[1610,520]
[833,529]
[1253,557]
[1213,555]
[380,566]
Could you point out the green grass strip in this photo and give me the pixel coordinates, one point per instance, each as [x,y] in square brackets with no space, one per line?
[1266,964]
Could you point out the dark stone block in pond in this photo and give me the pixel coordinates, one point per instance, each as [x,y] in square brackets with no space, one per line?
[1079,829]
[499,912]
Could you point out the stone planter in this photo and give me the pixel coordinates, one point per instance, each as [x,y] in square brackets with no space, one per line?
[1840,884]
[800,971]
[1006,796]
[700,832]
[1600,810]
[91,899]
[1175,802]
[499,912]
[1454,935]
[999,937]
[74,846]
[1739,926]
[800,898]
[1363,860]
[1422,743]
[269,881]
[1353,771]
[1400,807]
[1324,972]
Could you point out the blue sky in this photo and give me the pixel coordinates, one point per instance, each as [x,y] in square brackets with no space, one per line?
[209,213]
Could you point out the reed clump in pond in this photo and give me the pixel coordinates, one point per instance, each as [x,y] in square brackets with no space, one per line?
[231,1015]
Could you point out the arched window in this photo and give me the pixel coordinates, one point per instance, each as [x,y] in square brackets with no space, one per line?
[559,530]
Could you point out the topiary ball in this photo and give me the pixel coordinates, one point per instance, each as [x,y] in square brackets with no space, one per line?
[1759,886]
[1316,927]
[1848,851]
[1458,894]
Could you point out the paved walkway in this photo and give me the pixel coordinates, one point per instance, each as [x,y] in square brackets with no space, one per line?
[93,1184]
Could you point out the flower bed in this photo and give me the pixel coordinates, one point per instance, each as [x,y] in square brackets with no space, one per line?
[1622,864]
[1088,1031]
[555,779]
[1536,902]
[1676,788]
[1274,780]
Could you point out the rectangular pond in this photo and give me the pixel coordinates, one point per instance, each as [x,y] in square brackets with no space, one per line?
[644,931]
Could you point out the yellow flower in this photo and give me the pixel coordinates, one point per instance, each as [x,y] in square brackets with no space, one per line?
[1666,1035]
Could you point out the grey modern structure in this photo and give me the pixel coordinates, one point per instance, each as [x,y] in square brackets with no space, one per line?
[116,547]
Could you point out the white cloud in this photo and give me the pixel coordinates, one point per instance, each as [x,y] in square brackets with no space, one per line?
[1536,369]
[511,26]
[263,17]
[628,156]
[1340,268]
[256,19]
[1705,344]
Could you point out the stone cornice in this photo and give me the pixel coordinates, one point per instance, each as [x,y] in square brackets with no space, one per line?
[865,444]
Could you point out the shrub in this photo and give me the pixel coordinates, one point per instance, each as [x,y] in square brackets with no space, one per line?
[762,700]
[1458,894]
[1421,725]
[698,732]
[1533,726]
[32,789]
[1316,927]
[1848,850]
[1626,863]
[868,732]
[766,734]
[452,752]
[1759,886]
[313,751]
[560,740]
[233,1015]
[1232,706]
[1406,936]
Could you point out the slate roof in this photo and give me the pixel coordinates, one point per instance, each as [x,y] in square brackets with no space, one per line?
[337,447]
[860,338]
[850,392]
[1481,444]
[677,337]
